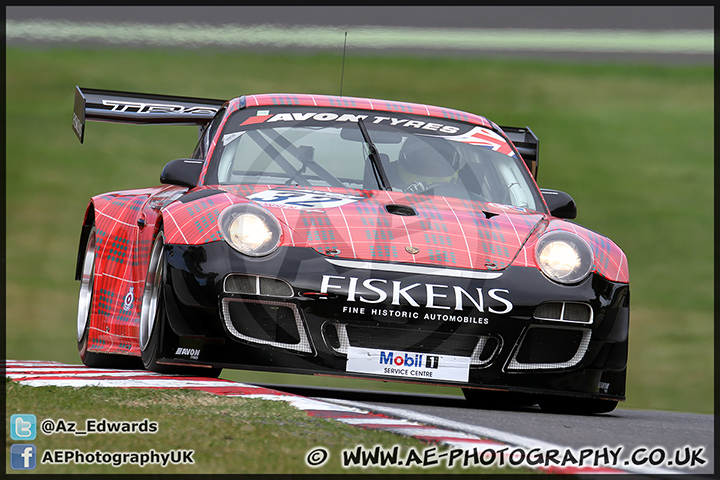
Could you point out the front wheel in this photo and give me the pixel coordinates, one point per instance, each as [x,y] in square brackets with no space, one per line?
[85,306]
[153,317]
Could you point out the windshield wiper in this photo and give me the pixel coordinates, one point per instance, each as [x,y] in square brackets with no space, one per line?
[374,156]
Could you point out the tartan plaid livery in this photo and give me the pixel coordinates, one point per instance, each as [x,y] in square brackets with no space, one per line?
[122,251]
[446,232]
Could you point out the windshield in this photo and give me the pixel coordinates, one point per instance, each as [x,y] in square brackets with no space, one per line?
[283,145]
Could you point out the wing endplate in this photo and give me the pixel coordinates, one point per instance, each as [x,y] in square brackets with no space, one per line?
[527,145]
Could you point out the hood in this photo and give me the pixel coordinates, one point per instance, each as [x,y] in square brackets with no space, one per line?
[397,227]
[385,226]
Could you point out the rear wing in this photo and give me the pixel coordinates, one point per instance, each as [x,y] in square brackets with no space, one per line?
[527,145]
[139,109]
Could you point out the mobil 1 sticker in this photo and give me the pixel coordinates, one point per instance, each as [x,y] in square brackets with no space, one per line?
[396,363]
[302,199]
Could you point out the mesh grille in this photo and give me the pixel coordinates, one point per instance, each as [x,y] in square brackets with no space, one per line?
[549,311]
[254,285]
[275,323]
[480,349]
[411,340]
[546,347]
[564,312]
[241,284]
[577,312]
[275,287]
[266,322]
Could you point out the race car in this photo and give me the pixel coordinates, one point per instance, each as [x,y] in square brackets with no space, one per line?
[352,237]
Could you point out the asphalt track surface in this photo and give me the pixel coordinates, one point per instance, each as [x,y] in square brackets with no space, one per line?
[665,34]
[631,429]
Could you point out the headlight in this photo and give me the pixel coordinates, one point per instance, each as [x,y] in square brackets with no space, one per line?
[250,229]
[564,257]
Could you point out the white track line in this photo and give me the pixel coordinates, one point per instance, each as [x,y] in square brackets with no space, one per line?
[499,435]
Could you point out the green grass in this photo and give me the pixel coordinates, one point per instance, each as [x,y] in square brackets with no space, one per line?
[632,143]
[226,434]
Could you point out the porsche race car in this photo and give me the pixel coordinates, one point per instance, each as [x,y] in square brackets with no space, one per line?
[351,237]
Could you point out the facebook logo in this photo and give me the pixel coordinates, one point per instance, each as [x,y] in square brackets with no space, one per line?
[23,457]
[23,426]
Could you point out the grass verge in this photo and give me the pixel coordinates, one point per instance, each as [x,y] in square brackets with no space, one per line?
[227,435]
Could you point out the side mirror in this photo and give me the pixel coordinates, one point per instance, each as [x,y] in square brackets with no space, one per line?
[184,172]
[561,204]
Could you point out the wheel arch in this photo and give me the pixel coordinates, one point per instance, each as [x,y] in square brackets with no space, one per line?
[159,226]
[87,225]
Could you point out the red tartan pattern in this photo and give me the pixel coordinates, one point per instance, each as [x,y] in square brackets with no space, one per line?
[443,230]
[116,271]
[122,252]
[448,231]
[610,260]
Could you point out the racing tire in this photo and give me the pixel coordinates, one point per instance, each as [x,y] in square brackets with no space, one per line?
[576,406]
[153,318]
[85,305]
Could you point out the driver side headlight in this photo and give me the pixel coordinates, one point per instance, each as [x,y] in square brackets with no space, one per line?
[564,257]
[250,229]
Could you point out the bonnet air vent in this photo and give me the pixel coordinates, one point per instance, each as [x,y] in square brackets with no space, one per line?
[402,210]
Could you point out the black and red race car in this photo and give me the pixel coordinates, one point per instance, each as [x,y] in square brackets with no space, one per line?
[356,237]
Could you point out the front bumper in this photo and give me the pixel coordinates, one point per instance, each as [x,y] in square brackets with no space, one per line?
[298,311]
